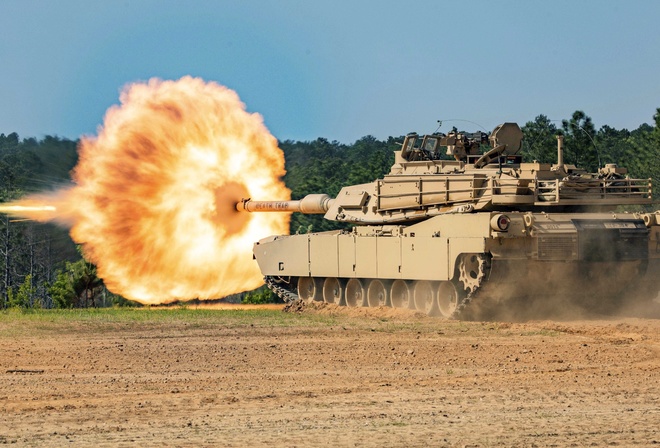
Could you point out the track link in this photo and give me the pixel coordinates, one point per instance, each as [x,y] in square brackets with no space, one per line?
[473,294]
[463,307]
[281,292]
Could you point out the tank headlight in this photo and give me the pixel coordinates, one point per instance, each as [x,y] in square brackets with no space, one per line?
[500,223]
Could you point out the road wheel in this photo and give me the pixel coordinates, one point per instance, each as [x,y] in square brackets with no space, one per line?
[448,298]
[333,291]
[424,294]
[400,295]
[309,289]
[377,294]
[354,292]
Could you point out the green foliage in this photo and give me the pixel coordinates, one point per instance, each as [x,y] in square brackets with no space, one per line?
[77,286]
[25,296]
[580,147]
[85,283]
[613,145]
[260,296]
[35,165]
[12,302]
[643,152]
[61,290]
[540,142]
[29,248]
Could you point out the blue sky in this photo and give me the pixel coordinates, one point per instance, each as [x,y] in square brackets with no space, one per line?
[336,69]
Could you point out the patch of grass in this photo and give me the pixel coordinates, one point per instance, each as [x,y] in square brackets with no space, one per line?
[100,321]
[14,322]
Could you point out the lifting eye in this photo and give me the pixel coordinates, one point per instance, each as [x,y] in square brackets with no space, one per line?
[649,219]
[500,223]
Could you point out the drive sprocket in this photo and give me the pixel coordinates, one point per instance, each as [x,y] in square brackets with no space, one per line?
[472,270]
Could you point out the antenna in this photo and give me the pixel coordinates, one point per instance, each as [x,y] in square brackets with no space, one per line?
[600,165]
[593,143]
[467,121]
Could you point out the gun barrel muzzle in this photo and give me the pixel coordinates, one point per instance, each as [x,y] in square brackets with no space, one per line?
[310,204]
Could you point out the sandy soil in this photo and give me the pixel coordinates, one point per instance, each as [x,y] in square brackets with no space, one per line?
[332,377]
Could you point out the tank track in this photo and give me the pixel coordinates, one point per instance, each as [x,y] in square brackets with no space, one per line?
[289,296]
[463,307]
[281,292]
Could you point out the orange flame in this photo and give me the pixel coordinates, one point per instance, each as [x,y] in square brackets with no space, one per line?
[154,194]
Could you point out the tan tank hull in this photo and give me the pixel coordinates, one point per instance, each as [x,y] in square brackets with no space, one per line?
[443,264]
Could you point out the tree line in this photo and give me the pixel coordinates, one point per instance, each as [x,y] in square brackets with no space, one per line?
[41,267]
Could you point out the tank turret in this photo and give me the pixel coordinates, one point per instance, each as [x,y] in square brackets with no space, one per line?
[437,234]
[421,185]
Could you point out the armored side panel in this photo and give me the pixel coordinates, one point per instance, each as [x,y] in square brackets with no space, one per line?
[465,257]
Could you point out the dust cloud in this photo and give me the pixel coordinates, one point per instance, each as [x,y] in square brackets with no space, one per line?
[523,291]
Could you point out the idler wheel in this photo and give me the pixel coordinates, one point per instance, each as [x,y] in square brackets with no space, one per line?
[333,291]
[377,294]
[309,289]
[354,292]
[400,295]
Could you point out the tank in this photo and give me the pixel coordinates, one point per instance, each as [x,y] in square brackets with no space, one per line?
[476,232]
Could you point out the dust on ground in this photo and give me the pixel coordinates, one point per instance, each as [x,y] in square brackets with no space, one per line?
[331,376]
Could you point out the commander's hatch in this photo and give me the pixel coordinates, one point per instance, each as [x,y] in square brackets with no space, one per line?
[416,147]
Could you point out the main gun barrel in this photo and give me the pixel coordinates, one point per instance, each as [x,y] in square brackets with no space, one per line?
[309,205]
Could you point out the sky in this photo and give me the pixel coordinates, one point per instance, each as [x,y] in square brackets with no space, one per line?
[336,69]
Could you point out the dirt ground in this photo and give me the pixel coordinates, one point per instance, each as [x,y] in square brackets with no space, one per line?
[331,377]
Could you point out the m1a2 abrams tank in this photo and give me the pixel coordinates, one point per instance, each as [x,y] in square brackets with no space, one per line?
[448,236]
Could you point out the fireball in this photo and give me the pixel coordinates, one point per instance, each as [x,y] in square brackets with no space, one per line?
[154,193]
